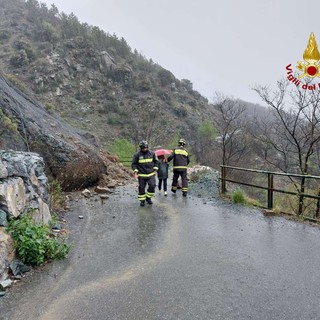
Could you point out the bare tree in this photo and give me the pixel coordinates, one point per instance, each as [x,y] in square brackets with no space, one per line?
[231,125]
[292,134]
[149,123]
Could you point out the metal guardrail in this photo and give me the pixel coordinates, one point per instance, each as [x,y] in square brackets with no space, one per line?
[270,187]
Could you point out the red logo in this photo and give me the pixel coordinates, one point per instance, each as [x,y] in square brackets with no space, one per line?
[310,67]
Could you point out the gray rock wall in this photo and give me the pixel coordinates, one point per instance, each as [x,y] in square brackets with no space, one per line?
[23,187]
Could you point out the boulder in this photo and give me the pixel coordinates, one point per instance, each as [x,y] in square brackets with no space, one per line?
[70,158]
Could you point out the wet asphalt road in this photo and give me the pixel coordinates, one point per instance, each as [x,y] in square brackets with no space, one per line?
[178,259]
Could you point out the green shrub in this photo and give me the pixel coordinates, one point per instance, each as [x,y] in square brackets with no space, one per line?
[34,242]
[48,32]
[142,83]
[56,248]
[49,107]
[165,77]
[7,123]
[238,196]
[22,57]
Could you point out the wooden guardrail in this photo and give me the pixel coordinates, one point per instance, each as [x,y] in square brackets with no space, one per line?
[270,184]
[126,160]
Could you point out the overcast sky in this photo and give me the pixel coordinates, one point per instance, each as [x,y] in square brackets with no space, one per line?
[226,46]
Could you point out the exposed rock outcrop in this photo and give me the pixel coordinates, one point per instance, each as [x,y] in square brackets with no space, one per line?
[69,156]
[106,61]
[23,188]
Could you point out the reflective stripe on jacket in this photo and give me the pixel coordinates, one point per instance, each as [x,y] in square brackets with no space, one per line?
[144,163]
[180,158]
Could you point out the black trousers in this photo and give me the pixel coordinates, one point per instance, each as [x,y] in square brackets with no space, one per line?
[184,180]
[165,184]
[143,182]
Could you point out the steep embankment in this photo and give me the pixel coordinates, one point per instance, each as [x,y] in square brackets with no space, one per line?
[72,157]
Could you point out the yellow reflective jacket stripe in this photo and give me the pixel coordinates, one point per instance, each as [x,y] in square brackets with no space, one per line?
[146,175]
[179,167]
[145,160]
[179,151]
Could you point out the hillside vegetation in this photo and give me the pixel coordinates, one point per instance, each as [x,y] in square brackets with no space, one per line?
[113,97]
[94,80]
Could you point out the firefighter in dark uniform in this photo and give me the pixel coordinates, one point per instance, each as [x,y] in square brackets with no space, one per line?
[145,166]
[181,160]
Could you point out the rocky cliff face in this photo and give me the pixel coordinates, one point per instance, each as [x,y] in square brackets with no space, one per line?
[23,188]
[70,156]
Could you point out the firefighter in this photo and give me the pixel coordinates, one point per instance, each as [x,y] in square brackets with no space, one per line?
[145,166]
[181,160]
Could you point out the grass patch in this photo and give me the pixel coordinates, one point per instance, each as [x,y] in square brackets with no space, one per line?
[124,149]
[238,196]
[55,191]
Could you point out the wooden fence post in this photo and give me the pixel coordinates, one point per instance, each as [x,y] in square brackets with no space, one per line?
[318,205]
[223,180]
[270,191]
